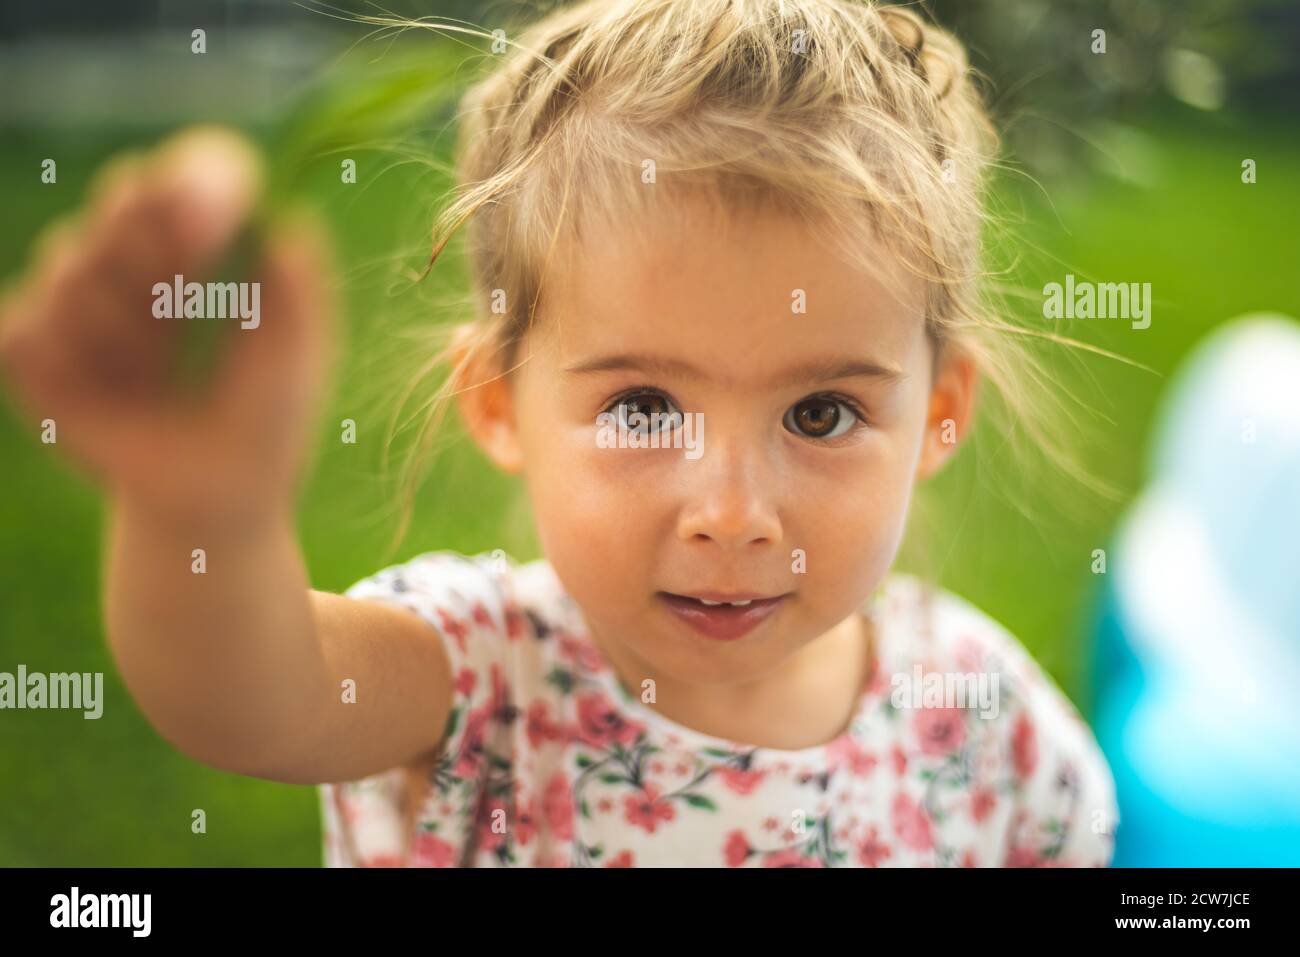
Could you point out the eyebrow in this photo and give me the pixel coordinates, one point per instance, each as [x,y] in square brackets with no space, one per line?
[818,370]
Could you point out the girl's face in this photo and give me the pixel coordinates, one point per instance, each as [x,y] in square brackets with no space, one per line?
[813,385]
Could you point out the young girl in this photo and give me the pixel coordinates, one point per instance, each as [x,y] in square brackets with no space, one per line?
[727,251]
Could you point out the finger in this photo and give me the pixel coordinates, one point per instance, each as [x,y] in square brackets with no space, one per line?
[288,353]
[128,255]
[79,315]
[209,180]
[53,237]
[170,213]
[34,363]
[153,218]
[174,213]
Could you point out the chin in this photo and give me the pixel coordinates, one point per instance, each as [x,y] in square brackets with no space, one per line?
[724,664]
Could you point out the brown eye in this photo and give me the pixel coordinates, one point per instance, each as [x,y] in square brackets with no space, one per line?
[646,412]
[820,418]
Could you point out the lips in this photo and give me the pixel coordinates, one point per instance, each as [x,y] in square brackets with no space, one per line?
[722,617]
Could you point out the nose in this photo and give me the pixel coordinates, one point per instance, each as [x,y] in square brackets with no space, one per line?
[730,500]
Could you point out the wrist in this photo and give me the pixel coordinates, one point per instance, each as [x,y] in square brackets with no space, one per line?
[208,519]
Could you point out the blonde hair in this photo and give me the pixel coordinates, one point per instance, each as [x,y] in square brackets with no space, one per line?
[860,117]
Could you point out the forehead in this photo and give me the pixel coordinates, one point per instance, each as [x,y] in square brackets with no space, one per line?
[745,292]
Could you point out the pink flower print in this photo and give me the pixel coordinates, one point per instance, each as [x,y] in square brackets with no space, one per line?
[911,823]
[736,850]
[429,850]
[872,850]
[622,859]
[846,750]
[348,808]
[466,679]
[557,806]
[742,782]
[645,810]
[526,821]
[940,730]
[790,857]
[1024,746]
[516,623]
[599,725]
[968,859]
[500,690]
[580,652]
[899,759]
[382,860]
[453,627]
[481,616]
[493,828]
[604,805]
[470,758]
[982,802]
[540,727]
[880,679]
[1024,857]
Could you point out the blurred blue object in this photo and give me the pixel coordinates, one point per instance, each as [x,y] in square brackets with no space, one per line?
[1197,677]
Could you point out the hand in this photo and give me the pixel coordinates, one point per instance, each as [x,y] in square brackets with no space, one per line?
[81,344]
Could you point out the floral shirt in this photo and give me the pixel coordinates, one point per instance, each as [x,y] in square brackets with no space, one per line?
[547,761]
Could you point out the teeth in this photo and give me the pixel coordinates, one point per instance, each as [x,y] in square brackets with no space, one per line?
[734,604]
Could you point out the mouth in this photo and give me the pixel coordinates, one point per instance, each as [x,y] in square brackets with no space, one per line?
[720,616]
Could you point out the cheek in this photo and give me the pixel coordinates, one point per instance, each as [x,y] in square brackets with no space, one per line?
[598,495]
[854,533]
[851,510]
[594,515]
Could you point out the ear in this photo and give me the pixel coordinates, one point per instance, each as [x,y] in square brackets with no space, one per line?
[951,412]
[485,398]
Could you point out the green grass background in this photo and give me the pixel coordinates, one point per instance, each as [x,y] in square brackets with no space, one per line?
[111,792]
